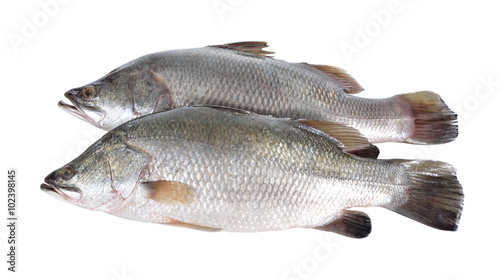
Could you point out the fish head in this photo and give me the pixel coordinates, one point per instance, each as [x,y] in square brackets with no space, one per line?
[98,104]
[124,94]
[85,182]
[102,178]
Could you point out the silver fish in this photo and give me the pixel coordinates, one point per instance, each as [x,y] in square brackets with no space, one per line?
[227,169]
[242,75]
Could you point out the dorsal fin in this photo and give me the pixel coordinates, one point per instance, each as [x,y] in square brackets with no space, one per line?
[253,47]
[225,108]
[349,84]
[349,139]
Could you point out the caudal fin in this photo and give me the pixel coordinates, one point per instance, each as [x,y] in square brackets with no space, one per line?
[434,122]
[434,196]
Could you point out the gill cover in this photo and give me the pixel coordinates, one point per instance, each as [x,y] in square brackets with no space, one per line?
[136,89]
[126,164]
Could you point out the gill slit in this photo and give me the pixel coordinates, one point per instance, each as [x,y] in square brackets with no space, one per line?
[132,95]
[113,188]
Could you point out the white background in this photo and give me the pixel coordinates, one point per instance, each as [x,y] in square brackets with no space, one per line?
[402,46]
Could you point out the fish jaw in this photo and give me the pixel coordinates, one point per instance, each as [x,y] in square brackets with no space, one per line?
[85,113]
[68,194]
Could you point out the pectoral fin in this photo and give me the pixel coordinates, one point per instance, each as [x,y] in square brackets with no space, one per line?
[350,140]
[350,223]
[165,98]
[169,192]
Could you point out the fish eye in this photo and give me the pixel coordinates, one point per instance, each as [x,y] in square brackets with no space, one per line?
[89,92]
[67,173]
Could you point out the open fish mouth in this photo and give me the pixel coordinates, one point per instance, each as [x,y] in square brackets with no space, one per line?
[82,112]
[62,193]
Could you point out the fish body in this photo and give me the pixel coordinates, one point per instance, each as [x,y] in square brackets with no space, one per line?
[226,169]
[241,75]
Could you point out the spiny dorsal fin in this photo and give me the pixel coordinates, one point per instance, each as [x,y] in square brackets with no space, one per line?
[355,224]
[253,47]
[169,192]
[350,85]
[350,139]
[225,108]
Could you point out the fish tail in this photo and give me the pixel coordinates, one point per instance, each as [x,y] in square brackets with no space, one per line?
[433,121]
[434,196]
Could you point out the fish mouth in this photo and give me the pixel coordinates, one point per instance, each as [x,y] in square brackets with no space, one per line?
[70,194]
[86,113]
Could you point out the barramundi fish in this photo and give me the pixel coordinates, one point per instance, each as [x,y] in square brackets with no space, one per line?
[243,75]
[226,169]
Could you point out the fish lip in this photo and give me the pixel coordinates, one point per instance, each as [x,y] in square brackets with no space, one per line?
[77,109]
[64,193]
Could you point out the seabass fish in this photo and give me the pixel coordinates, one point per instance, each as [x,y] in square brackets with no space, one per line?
[241,75]
[224,169]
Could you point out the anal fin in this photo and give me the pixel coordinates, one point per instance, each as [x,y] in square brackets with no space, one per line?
[355,224]
[350,139]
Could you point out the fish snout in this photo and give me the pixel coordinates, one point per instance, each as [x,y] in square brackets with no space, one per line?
[74,109]
[80,109]
[72,94]
[53,187]
[51,177]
